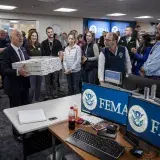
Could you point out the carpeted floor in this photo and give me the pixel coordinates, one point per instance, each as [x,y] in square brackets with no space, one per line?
[9,147]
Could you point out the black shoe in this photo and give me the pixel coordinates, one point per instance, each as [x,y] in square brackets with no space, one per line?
[46,98]
[19,138]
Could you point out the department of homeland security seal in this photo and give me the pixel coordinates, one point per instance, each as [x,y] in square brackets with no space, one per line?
[138,119]
[89,99]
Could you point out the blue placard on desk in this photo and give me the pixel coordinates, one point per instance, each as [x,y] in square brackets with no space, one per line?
[144,120]
[113,77]
[109,104]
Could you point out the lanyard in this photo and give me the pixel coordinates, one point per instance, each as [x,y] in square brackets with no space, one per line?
[86,50]
[50,47]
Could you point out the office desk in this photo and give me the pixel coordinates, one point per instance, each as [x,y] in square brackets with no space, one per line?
[54,108]
[62,132]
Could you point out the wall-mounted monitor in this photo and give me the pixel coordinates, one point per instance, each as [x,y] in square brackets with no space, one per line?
[119,26]
[98,27]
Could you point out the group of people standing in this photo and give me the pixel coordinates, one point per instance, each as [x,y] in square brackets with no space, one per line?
[80,61]
[83,59]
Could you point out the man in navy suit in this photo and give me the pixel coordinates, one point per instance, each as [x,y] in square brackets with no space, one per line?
[16,82]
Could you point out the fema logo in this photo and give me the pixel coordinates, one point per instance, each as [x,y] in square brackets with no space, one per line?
[93,28]
[89,99]
[114,29]
[138,118]
[120,54]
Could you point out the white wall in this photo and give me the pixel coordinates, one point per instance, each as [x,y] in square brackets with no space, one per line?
[66,23]
[146,26]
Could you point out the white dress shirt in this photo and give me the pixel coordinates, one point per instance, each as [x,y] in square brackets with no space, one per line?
[16,50]
[101,64]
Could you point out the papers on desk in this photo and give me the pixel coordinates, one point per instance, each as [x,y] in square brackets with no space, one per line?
[31,116]
[91,119]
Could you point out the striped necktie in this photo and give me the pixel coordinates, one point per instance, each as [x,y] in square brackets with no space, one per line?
[21,55]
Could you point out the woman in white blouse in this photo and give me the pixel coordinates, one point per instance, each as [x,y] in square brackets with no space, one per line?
[72,64]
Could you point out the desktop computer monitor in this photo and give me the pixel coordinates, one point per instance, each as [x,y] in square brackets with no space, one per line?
[133,82]
[144,120]
[106,103]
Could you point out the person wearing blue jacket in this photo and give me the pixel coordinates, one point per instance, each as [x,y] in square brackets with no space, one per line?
[141,54]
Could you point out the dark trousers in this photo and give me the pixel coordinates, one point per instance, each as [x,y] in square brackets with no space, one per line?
[35,82]
[51,84]
[90,76]
[20,98]
[73,80]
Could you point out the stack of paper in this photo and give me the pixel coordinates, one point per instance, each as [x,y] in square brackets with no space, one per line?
[91,119]
[30,116]
[40,65]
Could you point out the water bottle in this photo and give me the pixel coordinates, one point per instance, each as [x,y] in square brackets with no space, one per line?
[146,92]
[71,119]
[153,91]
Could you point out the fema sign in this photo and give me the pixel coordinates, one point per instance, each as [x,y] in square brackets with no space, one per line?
[109,104]
[98,27]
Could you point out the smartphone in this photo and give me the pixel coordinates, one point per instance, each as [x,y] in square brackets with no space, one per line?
[52,118]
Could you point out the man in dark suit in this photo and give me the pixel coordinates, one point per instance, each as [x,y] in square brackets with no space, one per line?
[16,82]
[128,41]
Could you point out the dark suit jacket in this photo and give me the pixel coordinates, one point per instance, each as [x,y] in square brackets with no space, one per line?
[13,84]
[131,44]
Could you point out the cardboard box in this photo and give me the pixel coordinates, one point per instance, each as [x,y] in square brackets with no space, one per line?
[40,65]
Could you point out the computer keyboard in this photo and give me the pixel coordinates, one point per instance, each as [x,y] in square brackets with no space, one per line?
[106,149]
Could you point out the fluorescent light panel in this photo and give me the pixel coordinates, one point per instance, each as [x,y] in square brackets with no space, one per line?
[65,10]
[5,7]
[116,14]
[13,21]
[143,17]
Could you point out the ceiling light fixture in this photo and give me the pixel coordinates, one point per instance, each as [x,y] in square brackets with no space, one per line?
[65,10]
[116,14]
[13,21]
[143,17]
[7,7]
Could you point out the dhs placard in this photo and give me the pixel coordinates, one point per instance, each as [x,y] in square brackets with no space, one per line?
[113,77]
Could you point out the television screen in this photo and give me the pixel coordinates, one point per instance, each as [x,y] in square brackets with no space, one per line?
[119,26]
[98,27]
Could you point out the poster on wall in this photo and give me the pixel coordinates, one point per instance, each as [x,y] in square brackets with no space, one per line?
[98,27]
[119,26]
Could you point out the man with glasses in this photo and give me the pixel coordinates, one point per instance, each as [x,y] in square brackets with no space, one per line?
[113,57]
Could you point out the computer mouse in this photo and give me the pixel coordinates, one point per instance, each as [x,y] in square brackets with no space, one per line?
[111,128]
